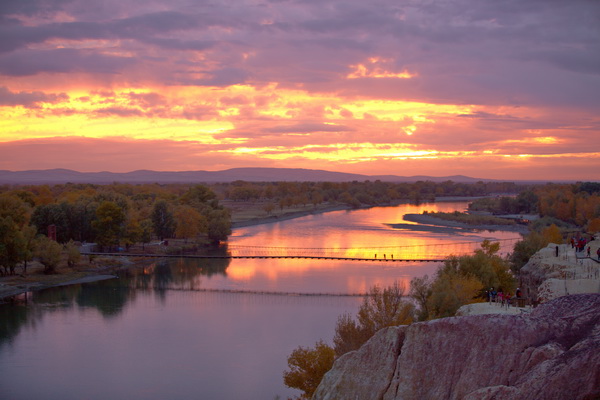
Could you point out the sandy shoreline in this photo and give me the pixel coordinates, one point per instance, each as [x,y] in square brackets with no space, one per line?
[287,216]
[340,207]
[431,223]
[7,291]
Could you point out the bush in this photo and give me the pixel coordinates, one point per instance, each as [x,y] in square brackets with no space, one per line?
[461,280]
[73,254]
[49,253]
[307,367]
[380,309]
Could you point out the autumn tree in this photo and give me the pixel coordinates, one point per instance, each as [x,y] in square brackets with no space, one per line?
[380,308]
[190,223]
[73,254]
[15,208]
[109,223]
[48,253]
[531,244]
[552,234]
[146,231]
[451,291]
[420,291]
[269,207]
[307,366]
[14,216]
[28,234]
[462,280]
[594,225]
[132,232]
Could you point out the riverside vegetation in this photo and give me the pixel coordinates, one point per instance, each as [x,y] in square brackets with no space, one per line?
[190,217]
[123,215]
[120,216]
[566,211]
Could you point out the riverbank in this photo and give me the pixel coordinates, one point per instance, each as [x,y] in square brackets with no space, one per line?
[442,225]
[101,268]
[253,213]
[257,216]
[243,215]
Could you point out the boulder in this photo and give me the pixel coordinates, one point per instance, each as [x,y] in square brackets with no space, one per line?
[552,352]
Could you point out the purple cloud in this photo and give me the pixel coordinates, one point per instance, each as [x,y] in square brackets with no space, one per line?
[29,99]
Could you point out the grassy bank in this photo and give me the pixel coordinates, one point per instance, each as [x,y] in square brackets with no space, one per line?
[470,219]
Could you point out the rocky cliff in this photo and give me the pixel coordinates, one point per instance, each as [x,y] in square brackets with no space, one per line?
[559,270]
[552,352]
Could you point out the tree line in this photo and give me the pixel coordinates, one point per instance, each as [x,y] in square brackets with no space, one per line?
[355,193]
[565,205]
[112,216]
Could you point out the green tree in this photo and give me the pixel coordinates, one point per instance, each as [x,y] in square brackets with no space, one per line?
[73,254]
[11,245]
[524,249]
[162,220]
[219,225]
[463,280]
[133,232]
[29,233]
[307,366]
[420,291]
[109,223]
[450,292]
[146,234]
[190,223]
[52,214]
[15,208]
[48,252]
[198,194]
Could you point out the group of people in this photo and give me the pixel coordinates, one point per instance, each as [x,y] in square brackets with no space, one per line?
[504,299]
[579,245]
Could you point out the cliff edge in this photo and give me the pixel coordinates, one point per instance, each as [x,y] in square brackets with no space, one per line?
[552,352]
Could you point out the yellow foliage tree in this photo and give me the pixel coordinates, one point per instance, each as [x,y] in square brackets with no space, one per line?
[449,293]
[552,234]
[380,309]
[594,225]
[307,366]
[190,223]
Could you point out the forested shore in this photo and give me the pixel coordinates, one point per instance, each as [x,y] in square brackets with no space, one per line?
[42,227]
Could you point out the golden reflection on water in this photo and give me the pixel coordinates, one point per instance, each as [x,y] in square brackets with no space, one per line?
[362,234]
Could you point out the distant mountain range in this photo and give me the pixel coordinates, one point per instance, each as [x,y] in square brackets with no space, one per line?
[54,176]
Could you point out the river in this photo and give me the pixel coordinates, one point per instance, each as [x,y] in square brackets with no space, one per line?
[219,328]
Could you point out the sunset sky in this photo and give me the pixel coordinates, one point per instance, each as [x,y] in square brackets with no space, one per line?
[506,89]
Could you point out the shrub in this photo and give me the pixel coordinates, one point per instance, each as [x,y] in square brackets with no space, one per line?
[307,366]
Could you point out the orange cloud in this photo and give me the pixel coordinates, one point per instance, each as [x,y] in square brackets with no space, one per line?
[377,68]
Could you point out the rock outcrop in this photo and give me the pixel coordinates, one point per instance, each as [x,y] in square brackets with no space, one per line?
[553,352]
[558,270]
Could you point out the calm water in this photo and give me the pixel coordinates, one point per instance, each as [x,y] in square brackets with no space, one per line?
[213,329]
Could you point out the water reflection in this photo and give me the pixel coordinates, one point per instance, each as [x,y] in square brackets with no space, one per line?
[198,328]
[367,234]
